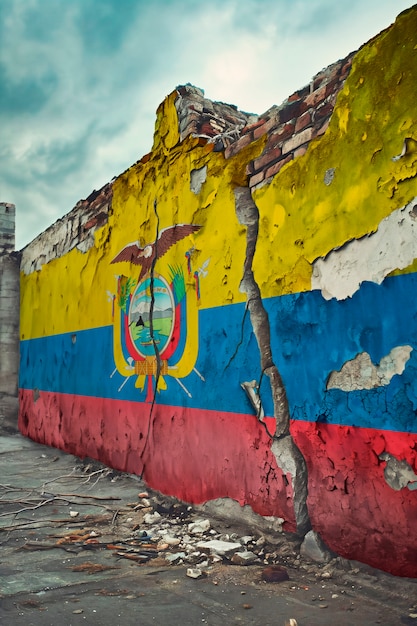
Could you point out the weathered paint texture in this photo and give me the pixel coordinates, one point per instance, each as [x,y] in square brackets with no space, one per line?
[234,316]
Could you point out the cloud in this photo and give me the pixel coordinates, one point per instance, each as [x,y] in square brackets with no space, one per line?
[81,80]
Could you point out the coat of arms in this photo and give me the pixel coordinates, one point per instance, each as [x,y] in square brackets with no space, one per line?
[155,320]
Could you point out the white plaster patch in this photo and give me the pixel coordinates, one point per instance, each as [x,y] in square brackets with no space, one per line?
[393,246]
[361,373]
[197,178]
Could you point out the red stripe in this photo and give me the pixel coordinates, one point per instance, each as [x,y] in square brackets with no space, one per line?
[200,455]
[195,455]
[351,505]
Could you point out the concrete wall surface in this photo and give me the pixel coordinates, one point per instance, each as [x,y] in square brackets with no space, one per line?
[9,319]
[240,322]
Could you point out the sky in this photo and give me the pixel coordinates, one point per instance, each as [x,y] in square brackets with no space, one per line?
[80,80]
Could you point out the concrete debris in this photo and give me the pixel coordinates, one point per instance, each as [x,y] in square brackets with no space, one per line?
[176,558]
[219,547]
[246,539]
[195,572]
[244,558]
[151,518]
[199,527]
[315,549]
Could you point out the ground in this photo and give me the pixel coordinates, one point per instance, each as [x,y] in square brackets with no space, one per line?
[82,544]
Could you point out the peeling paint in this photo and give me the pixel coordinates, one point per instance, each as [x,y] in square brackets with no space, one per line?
[361,373]
[398,474]
[197,179]
[371,258]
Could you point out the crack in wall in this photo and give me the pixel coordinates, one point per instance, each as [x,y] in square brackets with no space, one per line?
[287,454]
[151,333]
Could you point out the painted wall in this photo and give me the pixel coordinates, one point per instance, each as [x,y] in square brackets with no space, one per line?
[241,322]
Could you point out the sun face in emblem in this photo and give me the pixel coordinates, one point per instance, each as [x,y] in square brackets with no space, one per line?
[163,316]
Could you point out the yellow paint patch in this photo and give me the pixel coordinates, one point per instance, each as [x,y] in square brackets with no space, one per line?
[75,292]
[368,184]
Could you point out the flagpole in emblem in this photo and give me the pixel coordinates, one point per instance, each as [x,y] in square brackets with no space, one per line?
[154,317]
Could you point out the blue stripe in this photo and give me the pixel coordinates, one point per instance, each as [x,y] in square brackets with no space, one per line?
[310,337]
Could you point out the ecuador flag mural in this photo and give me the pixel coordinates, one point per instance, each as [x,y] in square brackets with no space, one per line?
[239,321]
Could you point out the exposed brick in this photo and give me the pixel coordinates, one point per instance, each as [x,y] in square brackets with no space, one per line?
[274,169]
[268,156]
[256,179]
[189,129]
[293,97]
[300,151]
[253,126]
[196,106]
[291,111]
[297,140]
[323,129]
[317,96]
[235,147]
[249,169]
[333,86]
[323,112]
[266,127]
[327,75]
[281,135]
[302,121]
[346,68]
[206,129]
[185,121]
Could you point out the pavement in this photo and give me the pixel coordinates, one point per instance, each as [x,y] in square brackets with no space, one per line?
[76,549]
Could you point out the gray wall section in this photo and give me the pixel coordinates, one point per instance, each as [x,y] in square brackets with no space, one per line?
[9,320]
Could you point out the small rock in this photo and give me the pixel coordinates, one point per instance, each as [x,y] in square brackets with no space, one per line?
[215,558]
[199,527]
[245,540]
[78,611]
[275,574]
[195,572]
[244,558]
[314,548]
[175,558]
[335,595]
[143,494]
[216,546]
[151,518]
[247,606]
[73,513]
[172,541]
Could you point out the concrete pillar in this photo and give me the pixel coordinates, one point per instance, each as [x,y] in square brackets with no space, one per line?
[9,319]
